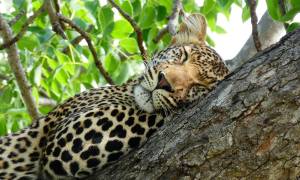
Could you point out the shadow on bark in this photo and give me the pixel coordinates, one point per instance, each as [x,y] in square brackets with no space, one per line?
[248,127]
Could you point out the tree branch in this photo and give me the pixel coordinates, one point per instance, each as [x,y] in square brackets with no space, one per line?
[161,34]
[57,10]
[3,77]
[172,23]
[16,66]
[76,40]
[173,19]
[23,29]
[18,16]
[90,45]
[136,28]
[56,25]
[270,31]
[257,43]
[43,101]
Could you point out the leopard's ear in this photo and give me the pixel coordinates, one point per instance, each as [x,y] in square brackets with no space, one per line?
[191,30]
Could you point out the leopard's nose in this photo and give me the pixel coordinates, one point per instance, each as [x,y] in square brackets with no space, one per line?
[163,83]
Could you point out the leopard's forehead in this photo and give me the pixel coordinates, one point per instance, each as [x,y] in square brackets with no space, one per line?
[177,52]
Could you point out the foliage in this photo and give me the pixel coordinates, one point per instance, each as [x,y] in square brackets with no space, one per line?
[292,7]
[56,75]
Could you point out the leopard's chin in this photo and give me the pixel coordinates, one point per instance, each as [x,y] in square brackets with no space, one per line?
[143,98]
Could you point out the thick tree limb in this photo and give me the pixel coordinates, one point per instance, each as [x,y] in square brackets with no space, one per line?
[136,28]
[248,127]
[90,45]
[252,6]
[16,66]
[172,23]
[270,31]
[23,29]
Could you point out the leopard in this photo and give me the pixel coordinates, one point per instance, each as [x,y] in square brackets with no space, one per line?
[98,127]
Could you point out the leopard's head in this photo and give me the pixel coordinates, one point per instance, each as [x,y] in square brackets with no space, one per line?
[181,73]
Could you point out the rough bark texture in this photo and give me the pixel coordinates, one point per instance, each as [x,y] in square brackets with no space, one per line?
[248,127]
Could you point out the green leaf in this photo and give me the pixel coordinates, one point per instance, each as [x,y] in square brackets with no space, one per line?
[167,4]
[129,44]
[220,30]
[190,6]
[28,42]
[211,21]
[20,4]
[127,7]
[35,93]
[80,22]
[66,61]
[3,128]
[290,14]
[122,29]
[18,25]
[245,13]
[6,96]
[162,13]
[45,109]
[105,17]
[62,58]
[51,62]
[273,9]
[295,3]
[42,34]
[136,5]
[15,126]
[92,6]
[124,73]
[208,6]
[60,75]
[36,5]
[210,41]
[111,63]
[238,2]
[55,90]
[147,17]
[223,3]
[224,6]
[293,27]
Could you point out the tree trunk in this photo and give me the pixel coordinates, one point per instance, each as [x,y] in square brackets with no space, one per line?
[248,127]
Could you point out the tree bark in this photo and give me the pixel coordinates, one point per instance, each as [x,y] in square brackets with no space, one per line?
[248,127]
